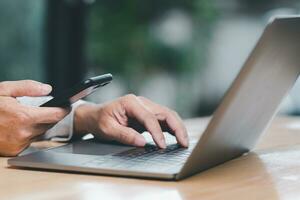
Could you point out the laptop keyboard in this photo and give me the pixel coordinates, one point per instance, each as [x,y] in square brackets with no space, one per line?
[149,151]
[149,157]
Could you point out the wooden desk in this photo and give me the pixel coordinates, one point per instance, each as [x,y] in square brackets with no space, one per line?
[272,171]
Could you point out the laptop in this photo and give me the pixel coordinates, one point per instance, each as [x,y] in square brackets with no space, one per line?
[244,113]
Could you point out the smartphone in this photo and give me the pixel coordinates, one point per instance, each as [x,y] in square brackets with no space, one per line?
[79,91]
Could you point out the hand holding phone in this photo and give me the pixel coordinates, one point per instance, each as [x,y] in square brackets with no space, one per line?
[79,91]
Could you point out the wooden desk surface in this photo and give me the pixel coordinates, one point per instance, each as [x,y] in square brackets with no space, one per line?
[272,171]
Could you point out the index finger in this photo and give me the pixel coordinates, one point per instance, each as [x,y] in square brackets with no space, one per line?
[176,126]
[48,115]
[24,88]
[172,119]
[136,110]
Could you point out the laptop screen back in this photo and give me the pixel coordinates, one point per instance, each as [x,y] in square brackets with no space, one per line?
[253,99]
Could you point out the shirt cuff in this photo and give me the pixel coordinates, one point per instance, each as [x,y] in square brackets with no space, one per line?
[63,130]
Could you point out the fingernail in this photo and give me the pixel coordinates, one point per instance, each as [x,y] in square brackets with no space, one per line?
[186,143]
[140,141]
[46,88]
[163,144]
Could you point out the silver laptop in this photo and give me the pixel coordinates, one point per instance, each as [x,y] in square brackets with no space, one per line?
[243,115]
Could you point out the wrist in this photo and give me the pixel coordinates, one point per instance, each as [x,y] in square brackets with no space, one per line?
[84,118]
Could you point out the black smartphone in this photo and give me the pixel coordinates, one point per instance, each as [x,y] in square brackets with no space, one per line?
[79,91]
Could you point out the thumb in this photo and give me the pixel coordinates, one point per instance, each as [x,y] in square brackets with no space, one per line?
[24,88]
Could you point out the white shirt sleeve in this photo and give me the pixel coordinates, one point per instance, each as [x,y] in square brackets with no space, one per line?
[63,130]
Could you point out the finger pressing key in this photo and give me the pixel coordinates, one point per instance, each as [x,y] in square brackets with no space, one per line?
[171,119]
[136,110]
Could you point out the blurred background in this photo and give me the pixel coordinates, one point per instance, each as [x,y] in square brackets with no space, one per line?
[181,53]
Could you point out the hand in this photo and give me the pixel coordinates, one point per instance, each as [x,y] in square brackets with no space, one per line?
[124,118]
[19,124]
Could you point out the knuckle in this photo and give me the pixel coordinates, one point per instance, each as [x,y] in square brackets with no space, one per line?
[142,98]
[22,135]
[31,83]
[150,118]
[174,113]
[28,82]
[128,100]
[130,97]
[22,117]
[58,115]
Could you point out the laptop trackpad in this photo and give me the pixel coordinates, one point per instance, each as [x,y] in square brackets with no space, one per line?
[92,147]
